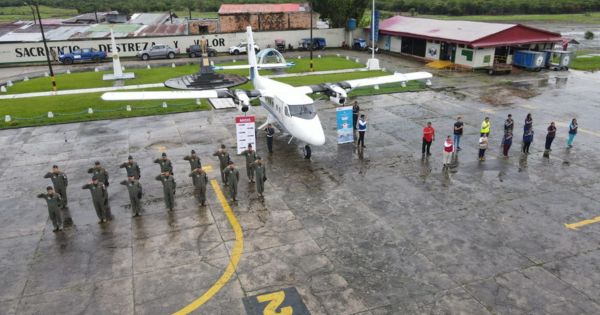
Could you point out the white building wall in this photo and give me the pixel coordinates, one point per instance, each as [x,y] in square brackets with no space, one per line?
[461,57]
[395,44]
[483,57]
[432,51]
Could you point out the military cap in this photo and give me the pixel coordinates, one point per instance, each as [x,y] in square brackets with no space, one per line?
[130,157]
[94,177]
[164,154]
[258,157]
[97,163]
[55,166]
[193,152]
[223,146]
[230,162]
[49,188]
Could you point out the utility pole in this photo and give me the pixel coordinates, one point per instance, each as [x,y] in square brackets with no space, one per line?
[32,13]
[311,37]
[52,78]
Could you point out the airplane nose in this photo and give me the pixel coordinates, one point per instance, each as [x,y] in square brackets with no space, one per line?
[319,139]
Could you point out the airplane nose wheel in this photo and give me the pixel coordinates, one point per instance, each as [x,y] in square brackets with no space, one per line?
[307,152]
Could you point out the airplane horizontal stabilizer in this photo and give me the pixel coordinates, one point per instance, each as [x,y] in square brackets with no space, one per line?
[164,95]
[394,78]
[260,66]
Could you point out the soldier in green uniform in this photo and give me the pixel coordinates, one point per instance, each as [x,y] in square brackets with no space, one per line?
[169,186]
[54,202]
[135,194]
[60,183]
[261,175]
[233,177]
[194,160]
[165,164]
[131,167]
[223,161]
[250,155]
[100,173]
[99,198]
[200,180]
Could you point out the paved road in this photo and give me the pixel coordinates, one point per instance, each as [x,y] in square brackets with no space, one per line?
[380,233]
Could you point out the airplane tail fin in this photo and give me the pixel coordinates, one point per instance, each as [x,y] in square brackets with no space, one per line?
[251,54]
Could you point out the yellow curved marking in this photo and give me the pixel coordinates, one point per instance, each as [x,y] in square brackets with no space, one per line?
[576,225]
[236,254]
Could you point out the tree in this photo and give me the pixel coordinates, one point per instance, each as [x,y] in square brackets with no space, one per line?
[339,11]
[190,5]
[589,35]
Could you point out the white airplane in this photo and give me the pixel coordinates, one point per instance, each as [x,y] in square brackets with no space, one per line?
[290,107]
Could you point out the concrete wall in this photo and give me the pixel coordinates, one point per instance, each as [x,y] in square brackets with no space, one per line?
[128,47]
[432,51]
[266,22]
[194,26]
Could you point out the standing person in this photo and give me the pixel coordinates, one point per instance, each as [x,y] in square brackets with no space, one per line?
[250,155]
[527,140]
[485,127]
[60,183]
[483,145]
[448,149]
[428,138]
[55,205]
[270,132]
[131,168]
[458,131]
[355,111]
[507,142]
[100,173]
[169,186]
[194,160]
[550,136]
[572,132]
[200,180]
[362,128]
[261,175]
[135,194]
[233,177]
[509,124]
[223,162]
[99,198]
[528,123]
[165,163]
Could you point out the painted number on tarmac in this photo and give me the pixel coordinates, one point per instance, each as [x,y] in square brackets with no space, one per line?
[284,302]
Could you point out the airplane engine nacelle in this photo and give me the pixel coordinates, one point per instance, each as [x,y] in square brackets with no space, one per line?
[337,94]
[242,101]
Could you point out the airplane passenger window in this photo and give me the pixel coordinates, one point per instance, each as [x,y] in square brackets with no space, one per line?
[287,112]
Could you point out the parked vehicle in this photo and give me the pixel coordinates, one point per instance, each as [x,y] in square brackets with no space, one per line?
[195,51]
[241,48]
[280,45]
[317,43]
[82,55]
[157,52]
[359,44]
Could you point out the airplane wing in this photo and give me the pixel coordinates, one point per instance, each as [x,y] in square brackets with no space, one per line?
[164,95]
[260,66]
[353,84]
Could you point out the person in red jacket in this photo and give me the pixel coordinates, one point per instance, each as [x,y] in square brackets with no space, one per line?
[428,138]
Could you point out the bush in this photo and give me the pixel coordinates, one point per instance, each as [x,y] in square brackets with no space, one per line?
[589,35]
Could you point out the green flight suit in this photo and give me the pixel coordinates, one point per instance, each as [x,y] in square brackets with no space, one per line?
[194,162]
[223,160]
[200,181]
[60,183]
[99,199]
[250,158]
[233,176]
[169,187]
[55,205]
[165,165]
[100,173]
[135,195]
[261,177]
[132,169]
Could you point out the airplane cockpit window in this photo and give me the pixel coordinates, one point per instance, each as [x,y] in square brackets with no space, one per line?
[305,111]
[287,112]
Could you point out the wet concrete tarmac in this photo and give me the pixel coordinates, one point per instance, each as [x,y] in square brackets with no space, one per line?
[381,232]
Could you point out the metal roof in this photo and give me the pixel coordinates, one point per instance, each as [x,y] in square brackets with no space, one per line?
[162,29]
[477,34]
[263,8]
[149,18]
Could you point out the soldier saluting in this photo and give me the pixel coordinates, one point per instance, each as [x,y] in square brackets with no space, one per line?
[233,177]
[200,180]
[99,198]
[194,160]
[131,168]
[165,163]
[54,202]
[169,186]
[60,183]
[250,155]
[135,194]
[223,162]
[99,172]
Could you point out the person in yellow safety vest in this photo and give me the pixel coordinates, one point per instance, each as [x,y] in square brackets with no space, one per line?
[485,127]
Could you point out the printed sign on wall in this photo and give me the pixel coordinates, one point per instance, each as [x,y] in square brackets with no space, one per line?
[344,124]
[245,131]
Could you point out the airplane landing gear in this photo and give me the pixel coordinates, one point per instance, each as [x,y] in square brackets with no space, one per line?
[307,152]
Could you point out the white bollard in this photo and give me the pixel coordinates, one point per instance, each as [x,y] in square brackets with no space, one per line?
[403,84]
[299,57]
[383,69]
[198,102]
[3,89]
[90,111]
[337,55]
[7,118]
[68,71]
[212,63]
[173,65]
[9,83]
[234,61]
[347,57]
[50,115]
[164,105]
[25,79]
[96,69]
[128,108]
[319,56]
[148,66]
[376,86]
[123,68]
[428,83]
[46,74]
[357,60]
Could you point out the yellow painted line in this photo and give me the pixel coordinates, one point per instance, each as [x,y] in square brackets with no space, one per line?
[576,225]
[162,148]
[207,168]
[236,254]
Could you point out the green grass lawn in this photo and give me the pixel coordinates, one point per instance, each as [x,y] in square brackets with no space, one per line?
[586,64]
[581,18]
[83,80]
[11,14]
